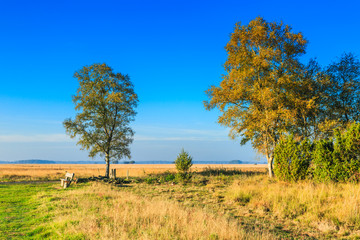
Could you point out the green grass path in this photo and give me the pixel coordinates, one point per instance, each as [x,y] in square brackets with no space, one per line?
[19,213]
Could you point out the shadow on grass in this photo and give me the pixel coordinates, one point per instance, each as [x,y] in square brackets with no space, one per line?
[119,181]
[123,186]
[208,172]
[201,177]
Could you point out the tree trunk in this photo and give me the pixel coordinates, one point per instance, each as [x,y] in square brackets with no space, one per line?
[270,160]
[107,160]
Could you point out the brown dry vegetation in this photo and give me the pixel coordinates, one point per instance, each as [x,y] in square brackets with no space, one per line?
[102,212]
[299,210]
[31,172]
[321,209]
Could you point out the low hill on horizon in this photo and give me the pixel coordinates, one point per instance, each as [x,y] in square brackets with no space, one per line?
[40,161]
[34,161]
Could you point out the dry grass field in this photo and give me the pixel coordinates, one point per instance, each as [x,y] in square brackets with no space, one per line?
[33,172]
[217,203]
[126,215]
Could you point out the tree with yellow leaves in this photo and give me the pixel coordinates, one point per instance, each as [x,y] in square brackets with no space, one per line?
[259,95]
[105,102]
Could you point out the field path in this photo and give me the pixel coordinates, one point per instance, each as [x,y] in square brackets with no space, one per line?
[19,213]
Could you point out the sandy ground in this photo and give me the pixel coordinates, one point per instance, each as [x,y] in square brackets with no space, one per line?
[52,171]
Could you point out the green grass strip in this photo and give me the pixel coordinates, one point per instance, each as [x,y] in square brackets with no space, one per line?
[19,214]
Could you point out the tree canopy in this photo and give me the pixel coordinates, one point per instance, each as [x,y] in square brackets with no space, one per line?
[259,94]
[105,102]
[344,89]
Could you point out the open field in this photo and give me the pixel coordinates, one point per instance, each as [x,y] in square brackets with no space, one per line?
[217,203]
[245,205]
[99,211]
[31,172]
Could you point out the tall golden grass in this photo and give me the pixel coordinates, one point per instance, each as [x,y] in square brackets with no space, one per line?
[212,206]
[330,208]
[55,171]
[101,212]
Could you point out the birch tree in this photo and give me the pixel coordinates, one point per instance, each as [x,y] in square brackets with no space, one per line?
[105,103]
[257,96]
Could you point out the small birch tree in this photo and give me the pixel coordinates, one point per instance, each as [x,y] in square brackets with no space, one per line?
[105,103]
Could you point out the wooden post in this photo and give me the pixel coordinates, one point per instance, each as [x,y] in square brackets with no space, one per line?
[113,173]
[127,174]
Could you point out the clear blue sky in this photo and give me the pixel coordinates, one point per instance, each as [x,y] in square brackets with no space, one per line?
[172,50]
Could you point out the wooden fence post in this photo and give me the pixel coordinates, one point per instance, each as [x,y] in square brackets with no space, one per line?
[113,173]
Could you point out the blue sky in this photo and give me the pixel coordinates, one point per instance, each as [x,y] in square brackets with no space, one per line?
[172,50]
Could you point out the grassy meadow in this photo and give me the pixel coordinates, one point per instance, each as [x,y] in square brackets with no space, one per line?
[217,203]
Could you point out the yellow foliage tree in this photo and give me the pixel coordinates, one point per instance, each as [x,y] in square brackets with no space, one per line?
[259,95]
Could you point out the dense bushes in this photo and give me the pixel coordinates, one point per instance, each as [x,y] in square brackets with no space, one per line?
[336,159]
[292,159]
[322,160]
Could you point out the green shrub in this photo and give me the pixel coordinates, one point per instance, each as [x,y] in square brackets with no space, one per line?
[166,177]
[151,179]
[322,162]
[338,159]
[183,164]
[292,159]
[170,177]
[183,177]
